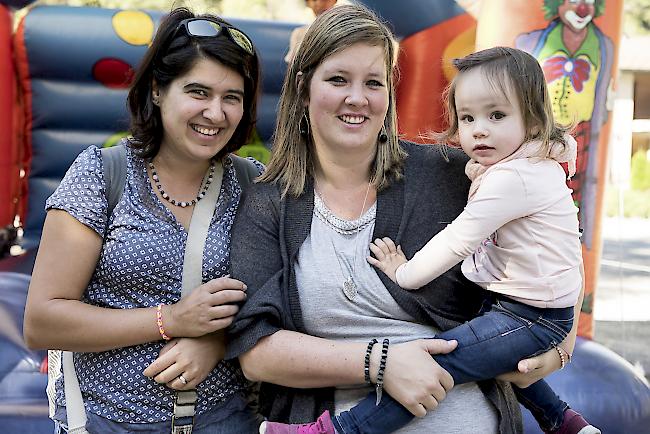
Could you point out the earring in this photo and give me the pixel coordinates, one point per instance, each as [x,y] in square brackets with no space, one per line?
[383,137]
[304,125]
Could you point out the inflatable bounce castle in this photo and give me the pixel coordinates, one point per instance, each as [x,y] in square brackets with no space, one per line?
[64,76]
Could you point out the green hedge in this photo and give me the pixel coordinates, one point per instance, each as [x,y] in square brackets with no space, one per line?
[636,203]
[640,171]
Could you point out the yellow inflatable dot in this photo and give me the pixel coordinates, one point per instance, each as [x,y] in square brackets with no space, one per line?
[134,27]
[460,46]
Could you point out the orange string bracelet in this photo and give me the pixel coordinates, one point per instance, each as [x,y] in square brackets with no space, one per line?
[159,321]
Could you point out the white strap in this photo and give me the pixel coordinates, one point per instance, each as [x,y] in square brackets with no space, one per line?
[192,278]
[197,233]
[73,401]
[54,365]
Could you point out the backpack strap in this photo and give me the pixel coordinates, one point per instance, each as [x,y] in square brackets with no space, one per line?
[114,167]
[185,400]
[245,170]
[114,161]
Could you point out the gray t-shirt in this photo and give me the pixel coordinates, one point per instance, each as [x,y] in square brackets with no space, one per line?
[337,249]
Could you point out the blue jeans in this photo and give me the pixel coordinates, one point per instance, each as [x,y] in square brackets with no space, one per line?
[233,416]
[504,333]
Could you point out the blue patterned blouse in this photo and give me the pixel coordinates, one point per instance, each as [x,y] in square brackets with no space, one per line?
[141,266]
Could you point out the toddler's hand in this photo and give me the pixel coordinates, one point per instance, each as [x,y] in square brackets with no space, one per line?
[388,257]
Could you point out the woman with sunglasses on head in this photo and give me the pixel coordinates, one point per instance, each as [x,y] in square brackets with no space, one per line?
[321,327]
[116,302]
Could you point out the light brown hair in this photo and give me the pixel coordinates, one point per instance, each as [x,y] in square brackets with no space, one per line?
[292,158]
[514,73]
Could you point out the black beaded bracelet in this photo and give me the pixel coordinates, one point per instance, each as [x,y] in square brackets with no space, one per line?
[366,366]
[379,386]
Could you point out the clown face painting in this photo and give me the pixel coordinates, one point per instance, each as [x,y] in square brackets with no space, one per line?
[576,15]
[576,57]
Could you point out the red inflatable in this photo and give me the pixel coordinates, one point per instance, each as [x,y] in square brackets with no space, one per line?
[9,171]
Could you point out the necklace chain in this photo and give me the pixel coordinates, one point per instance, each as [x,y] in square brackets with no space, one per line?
[325,214]
[207,180]
[339,225]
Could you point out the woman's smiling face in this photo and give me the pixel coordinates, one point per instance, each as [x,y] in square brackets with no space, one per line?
[348,98]
[201,109]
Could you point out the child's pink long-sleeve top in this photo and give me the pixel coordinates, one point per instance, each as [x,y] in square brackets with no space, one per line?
[518,236]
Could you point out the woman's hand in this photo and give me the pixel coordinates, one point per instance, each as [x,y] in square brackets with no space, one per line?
[413,378]
[210,307]
[193,358]
[533,369]
[536,368]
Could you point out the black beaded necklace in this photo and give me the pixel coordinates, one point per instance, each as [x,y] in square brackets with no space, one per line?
[182,204]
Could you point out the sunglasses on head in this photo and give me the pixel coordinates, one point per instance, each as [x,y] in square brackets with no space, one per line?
[208,28]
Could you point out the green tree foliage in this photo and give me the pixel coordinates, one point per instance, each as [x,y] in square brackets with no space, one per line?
[634,203]
[636,17]
[640,171]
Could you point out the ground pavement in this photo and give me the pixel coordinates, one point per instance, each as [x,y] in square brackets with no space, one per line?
[622,304]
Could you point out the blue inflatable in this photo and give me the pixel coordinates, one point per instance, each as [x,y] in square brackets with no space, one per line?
[73,66]
[604,387]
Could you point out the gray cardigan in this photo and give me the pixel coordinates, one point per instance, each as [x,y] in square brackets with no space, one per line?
[269,232]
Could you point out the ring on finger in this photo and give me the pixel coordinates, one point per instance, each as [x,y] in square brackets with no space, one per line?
[182,379]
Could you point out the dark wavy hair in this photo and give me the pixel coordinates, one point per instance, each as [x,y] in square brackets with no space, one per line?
[166,59]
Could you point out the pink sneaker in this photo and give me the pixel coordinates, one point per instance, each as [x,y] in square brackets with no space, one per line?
[323,425]
[574,423]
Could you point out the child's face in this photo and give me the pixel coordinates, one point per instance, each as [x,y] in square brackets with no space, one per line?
[490,126]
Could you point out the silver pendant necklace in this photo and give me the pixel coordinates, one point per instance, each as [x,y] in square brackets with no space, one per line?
[349,288]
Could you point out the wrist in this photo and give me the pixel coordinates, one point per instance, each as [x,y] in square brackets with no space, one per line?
[382,367]
[165,321]
[397,272]
[375,358]
[366,361]
[565,356]
[561,355]
[568,355]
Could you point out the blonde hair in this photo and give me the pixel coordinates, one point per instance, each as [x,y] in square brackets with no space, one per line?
[292,158]
[512,72]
